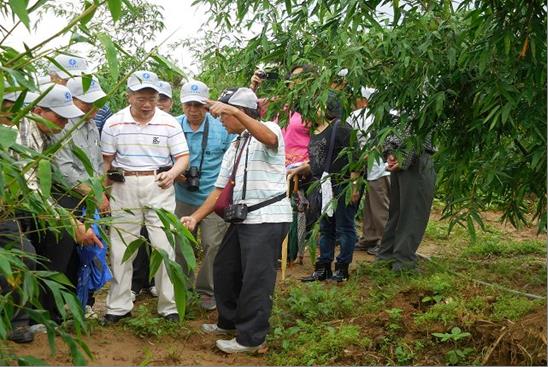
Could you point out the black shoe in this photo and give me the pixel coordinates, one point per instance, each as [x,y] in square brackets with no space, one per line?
[322,271]
[172,317]
[341,273]
[109,319]
[374,250]
[365,245]
[21,334]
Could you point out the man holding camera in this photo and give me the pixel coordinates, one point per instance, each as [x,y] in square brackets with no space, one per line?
[208,141]
[251,193]
[144,149]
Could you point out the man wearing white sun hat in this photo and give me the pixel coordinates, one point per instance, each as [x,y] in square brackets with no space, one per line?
[140,143]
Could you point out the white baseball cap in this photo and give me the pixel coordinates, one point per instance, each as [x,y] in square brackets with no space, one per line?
[74,65]
[41,80]
[143,79]
[59,100]
[13,96]
[367,92]
[243,97]
[165,88]
[194,91]
[94,92]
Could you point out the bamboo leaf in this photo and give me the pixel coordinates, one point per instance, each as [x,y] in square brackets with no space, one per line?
[115,7]
[155,262]
[19,7]
[132,247]
[44,177]
[110,53]
[7,137]
[83,157]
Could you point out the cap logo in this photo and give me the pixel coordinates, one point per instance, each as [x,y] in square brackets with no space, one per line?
[68,96]
[194,88]
[146,76]
[72,62]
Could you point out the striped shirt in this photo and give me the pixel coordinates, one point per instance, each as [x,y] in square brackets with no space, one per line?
[143,147]
[101,117]
[266,178]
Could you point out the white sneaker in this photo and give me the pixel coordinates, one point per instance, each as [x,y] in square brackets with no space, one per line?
[214,329]
[232,346]
[133,296]
[89,313]
[153,291]
[38,329]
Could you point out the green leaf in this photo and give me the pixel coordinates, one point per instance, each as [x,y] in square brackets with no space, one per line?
[132,247]
[30,361]
[155,262]
[83,157]
[19,7]
[44,177]
[86,82]
[7,137]
[168,64]
[115,7]
[110,53]
[85,20]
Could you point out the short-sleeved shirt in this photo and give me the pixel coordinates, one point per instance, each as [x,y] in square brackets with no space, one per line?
[266,178]
[143,147]
[86,137]
[361,122]
[101,117]
[319,150]
[296,139]
[218,141]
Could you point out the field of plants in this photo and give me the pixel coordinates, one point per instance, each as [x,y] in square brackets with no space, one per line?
[480,303]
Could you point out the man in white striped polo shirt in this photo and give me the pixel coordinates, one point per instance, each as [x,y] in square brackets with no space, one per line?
[244,270]
[142,141]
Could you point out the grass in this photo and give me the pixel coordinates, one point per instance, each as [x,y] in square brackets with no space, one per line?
[380,317]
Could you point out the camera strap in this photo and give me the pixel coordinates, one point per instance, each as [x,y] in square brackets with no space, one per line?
[239,143]
[204,142]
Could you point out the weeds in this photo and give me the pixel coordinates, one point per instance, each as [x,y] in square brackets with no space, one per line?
[144,324]
[513,307]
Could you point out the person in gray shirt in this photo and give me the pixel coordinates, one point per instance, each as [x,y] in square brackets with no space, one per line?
[85,135]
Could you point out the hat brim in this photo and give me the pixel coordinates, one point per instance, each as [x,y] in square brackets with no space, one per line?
[167,95]
[74,73]
[141,86]
[91,97]
[68,112]
[194,98]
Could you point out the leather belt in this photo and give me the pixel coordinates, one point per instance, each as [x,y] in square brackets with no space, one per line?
[140,173]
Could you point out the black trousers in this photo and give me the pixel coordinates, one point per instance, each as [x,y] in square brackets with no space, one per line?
[244,273]
[139,279]
[11,236]
[411,196]
[60,251]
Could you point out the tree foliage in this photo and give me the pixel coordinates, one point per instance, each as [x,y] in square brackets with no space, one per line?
[473,75]
[19,69]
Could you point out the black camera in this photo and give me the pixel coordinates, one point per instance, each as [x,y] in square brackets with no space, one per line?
[267,75]
[235,213]
[116,175]
[192,178]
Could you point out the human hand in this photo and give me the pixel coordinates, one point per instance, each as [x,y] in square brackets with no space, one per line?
[217,108]
[189,222]
[256,80]
[393,164]
[104,207]
[165,179]
[86,237]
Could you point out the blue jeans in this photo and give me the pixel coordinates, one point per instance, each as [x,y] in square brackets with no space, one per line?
[340,227]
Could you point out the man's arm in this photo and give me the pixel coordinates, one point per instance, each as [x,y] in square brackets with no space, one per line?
[165,179]
[257,129]
[203,211]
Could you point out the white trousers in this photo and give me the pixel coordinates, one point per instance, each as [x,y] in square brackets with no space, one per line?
[130,203]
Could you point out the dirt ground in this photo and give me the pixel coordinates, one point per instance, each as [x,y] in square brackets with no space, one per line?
[119,346]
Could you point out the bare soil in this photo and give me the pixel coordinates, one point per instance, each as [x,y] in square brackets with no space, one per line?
[503,343]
